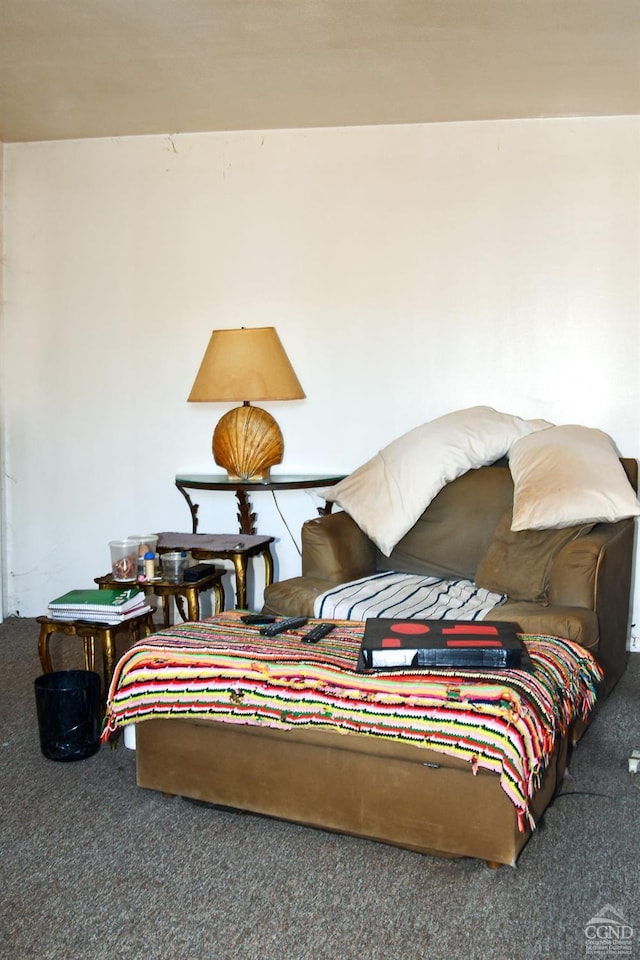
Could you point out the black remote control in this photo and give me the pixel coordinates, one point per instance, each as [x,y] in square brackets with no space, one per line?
[289,623]
[257,618]
[317,633]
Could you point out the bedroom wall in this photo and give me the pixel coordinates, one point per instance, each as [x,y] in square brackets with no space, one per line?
[409,271]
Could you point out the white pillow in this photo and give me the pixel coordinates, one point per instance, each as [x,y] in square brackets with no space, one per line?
[386,495]
[568,475]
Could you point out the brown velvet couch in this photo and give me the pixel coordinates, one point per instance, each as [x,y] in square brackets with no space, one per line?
[578,590]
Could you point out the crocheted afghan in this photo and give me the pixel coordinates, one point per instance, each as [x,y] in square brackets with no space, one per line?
[507,721]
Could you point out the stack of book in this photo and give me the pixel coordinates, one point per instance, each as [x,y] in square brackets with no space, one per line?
[99,606]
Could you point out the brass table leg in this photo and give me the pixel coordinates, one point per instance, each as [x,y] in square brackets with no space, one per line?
[89,644]
[166,609]
[108,655]
[43,647]
[219,595]
[193,603]
[88,632]
[240,565]
[48,628]
[192,596]
[268,566]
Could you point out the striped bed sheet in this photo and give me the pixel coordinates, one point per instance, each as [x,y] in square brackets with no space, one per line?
[406,595]
[508,721]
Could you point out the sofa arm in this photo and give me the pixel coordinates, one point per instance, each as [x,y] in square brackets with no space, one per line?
[578,569]
[594,571]
[335,548]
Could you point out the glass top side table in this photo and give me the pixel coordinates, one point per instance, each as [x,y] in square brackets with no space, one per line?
[242,489]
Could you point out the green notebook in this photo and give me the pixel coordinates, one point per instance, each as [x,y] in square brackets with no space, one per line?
[100,600]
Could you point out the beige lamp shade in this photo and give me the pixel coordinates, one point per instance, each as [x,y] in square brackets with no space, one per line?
[246,364]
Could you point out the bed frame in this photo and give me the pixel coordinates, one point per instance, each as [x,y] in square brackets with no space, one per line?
[382,790]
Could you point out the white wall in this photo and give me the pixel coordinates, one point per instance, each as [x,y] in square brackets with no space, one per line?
[409,271]
[2,382]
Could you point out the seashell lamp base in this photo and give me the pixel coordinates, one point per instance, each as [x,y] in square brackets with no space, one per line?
[247,442]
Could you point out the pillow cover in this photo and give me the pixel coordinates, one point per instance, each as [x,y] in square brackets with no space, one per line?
[568,475]
[518,563]
[387,494]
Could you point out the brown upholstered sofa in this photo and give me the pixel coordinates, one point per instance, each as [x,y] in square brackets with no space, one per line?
[576,587]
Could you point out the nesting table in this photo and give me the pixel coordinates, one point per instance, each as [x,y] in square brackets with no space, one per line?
[211,546]
[135,627]
[180,591]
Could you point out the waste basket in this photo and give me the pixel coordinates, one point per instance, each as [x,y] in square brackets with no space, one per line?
[68,708]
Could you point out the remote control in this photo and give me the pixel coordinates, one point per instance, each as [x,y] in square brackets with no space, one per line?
[289,623]
[257,618]
[317,633]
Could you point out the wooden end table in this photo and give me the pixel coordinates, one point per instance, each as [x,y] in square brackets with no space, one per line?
[212,546]
[169,590]
[89,632]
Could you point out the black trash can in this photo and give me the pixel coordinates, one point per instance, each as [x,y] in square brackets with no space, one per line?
[69,714]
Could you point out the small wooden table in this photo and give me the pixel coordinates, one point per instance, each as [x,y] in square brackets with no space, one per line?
[90,632]
[211,546]
[169,590]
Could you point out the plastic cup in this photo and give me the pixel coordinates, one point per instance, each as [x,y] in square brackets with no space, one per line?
[173,565]
[147,543]
[124,559]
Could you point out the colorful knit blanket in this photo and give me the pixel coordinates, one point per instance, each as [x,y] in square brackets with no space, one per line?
[507,721]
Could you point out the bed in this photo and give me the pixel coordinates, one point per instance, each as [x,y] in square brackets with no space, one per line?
[447,763]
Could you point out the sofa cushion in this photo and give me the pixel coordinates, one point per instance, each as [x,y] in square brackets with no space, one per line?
[454,531]
[386,495]
[568,475]
[519,563]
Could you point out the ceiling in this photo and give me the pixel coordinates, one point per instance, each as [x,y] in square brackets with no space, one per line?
[109,68]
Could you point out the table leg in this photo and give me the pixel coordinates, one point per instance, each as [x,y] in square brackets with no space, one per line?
[193,604]
[145,624]
[89,644]
[268,566]
[246,518]
[219,595]
[193,508]
[108,655]
[166,610]
[43,647]
[240,564]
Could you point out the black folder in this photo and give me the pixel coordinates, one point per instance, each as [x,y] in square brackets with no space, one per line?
[427,644]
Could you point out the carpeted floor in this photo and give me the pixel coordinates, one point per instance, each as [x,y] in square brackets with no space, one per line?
[94,867]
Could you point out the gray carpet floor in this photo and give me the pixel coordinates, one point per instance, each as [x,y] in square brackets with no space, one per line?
[93,867]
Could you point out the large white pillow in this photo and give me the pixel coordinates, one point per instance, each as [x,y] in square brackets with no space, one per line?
[386,495]
[568,475]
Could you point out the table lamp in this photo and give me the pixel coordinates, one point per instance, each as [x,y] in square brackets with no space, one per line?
[246,364]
